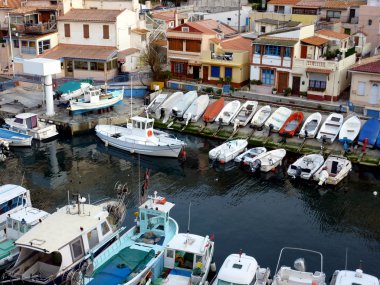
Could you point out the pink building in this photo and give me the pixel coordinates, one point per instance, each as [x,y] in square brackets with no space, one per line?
[369,23]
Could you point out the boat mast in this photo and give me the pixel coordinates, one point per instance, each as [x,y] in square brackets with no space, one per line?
[188,223]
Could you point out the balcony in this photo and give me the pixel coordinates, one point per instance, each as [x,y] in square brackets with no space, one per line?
[228,56]
[28,50]
[319,64]
[40,28]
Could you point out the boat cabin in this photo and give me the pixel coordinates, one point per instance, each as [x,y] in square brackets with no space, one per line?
[185,254]
[12,198]
[144,124]
[61,242]
[357,277]
[92,94]
[26,121]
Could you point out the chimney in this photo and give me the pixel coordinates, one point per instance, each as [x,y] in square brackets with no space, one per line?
[176,24]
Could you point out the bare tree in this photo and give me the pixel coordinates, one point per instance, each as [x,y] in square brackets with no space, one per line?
[151,57]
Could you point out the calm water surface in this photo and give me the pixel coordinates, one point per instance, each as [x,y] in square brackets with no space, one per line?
[260,214]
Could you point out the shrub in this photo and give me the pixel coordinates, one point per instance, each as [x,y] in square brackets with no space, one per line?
[287,91]
[274,89]
[303,93]
[256,82]
[220,80]
[209,90]
[219,91]
[228,79]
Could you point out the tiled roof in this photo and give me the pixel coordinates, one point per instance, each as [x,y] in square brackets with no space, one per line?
[10,4]
[80,52]
[329,4]
[370,65]
[315,41]
[275,41]
[168,15]
[284,2]
[215,40]
[237,43]
[23,10]
[318,70]
[127,52]
[332,34]
[210,26]
[280,24]
[90,15]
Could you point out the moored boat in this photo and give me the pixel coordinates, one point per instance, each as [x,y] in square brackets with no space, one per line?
[213,110]
[247,156]
[196,109]
[29,124]
[261,116]
[228,150]
[95,99]
[12,199]
[246,112]
[228,112]
[330,128]
[140,137]
[165,110]
[333,171]
[291,125]
[181,105]
[278,118]
[350,130]
[15,138]
[310,127]
[306,166]
[71,89]
[268,160]
[343,277]
[369,132]
[156,103]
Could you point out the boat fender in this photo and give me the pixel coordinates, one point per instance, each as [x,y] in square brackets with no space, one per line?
[87,268]
[213,266]
[150,133]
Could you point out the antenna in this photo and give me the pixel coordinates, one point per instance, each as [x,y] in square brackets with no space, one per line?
[188,222]
[345,265]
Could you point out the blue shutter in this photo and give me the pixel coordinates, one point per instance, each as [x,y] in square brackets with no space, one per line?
[228,72]
[215,71]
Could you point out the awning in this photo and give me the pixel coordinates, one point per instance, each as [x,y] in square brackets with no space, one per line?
[194,63]
[317,70]
[140,31]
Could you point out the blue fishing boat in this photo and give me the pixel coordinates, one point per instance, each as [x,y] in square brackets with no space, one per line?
[369,132]
[138,254]
[15,138]
[378,141]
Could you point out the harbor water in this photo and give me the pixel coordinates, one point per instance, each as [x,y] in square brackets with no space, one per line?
[259,214]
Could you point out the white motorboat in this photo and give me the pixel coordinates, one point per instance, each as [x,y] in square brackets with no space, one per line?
[246,112]
[15,138]
[67,244]
[343,277]
[140,137]
[330,128]
[71,90]
[29,124]
[95,99]
[261,116]
[267,160]
[333,170]
[278,118]
[228,150]
[241,269]
[285,275]
[12,199]
[228,112]
[18,223]
[165,110]
[182,104]
[247,156]
[306,166]
[350,130]
[196,109]
[156,103]
[310,127]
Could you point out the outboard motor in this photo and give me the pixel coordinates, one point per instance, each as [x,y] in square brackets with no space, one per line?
[162,113]
[255,165]
[299,264]
[175,112]
[323,177]
[297,172]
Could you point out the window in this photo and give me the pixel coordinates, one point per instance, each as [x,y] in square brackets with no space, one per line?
[93,238]
[193,46]
[86,31]
[305,11]
[77,249]
[212,47]
[175,44]
[12,203]
[317,85]
[67,30]
[81,65]
[179,67]
[215,71]
[171,24]
[361,88]
[170,253]
[268,76]
[257,49]
[106,32]
[287,52]
[105,228]
[262,29]
[16,43]
[185,29]
[228,19]
[43,45]
[272,50]
[97,66]
[333,14]
[228,72]
[279,9]
[369,22]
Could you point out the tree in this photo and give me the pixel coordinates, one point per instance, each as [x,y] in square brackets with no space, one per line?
[151,57]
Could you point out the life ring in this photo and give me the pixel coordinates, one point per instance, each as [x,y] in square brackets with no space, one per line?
[150,133]
[162,201]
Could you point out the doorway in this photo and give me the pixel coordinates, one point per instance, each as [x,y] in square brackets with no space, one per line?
[374,95]
[303,51]
[296,85]
[205,74]
[69,69]
[195,72]
[283,81]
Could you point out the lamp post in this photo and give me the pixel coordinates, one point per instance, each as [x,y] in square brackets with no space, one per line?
[11,45]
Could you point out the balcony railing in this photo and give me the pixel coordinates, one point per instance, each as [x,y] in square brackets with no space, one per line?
[28,50]
[308,63]
[41,28]
[224,56]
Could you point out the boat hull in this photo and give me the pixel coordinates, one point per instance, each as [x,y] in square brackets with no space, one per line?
[290,130]
[15,139]
[369,131]
[83,107]
[213,110]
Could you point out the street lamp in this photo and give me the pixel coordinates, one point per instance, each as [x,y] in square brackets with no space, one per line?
[11,45]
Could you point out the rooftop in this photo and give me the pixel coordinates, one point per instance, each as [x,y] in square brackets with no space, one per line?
[347,277]
[370,65]
[238,269]
[168,15]
[275,41]
[278,23]
[315,41]
[10,4]
[212,27]
[151,203]
[30,215]
[90,15]
[329,4]
[65,226]
[237,43]
[9,191]
[332,34]
[283,2]
[189,243]
[80,52]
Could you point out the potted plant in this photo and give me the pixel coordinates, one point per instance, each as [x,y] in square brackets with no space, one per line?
[287,91]
[197,274]
[274,90]
[220,82]
[228,79]
[303,94]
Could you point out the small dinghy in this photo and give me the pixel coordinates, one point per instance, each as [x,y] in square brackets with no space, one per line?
[330,128]
[291,125]
[249,155]
[333,170]
[306,166]
[71,89]
[369,133]
[350,130]
[228,112]
[156,102]
[278,118]
[227,151]
[268,160]
[183,104]
[261,116]
[213,110]
[165,110]
[246,113]
[311,126]
[196,109]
